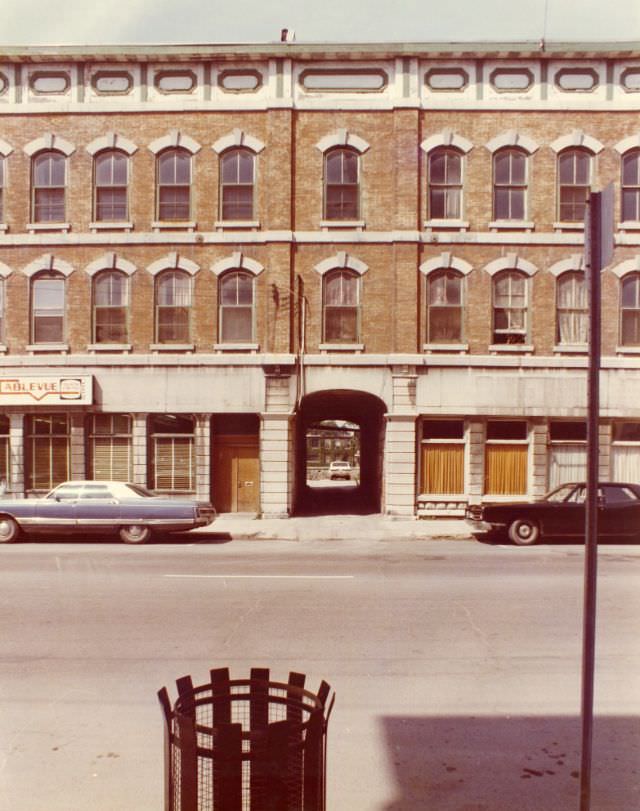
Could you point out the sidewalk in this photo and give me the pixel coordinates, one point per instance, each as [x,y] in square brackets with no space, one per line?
[335,527]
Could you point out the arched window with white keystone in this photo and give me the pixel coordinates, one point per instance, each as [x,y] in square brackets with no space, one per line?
[342,299]
[342,152]
[111,186]
[572,303]
[5,151]
[173,297]
[446,298]
[445,175]
[110,307]
[630,186]
[510,301]
[173,185]
[48,187]
[237,185]
[575,166]
[236,313]
[48,300]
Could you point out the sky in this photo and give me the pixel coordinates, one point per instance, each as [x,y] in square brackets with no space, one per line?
[90,22]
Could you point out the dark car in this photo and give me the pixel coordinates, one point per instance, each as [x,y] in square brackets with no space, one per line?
[561,513]
[129,510]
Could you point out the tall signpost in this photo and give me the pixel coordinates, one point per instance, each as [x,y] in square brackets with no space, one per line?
[598,253]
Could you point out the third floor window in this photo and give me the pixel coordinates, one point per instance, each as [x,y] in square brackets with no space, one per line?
[510,308]
[48,182]
[47,308]
[341,306]
[445,184]
[237,185]
[509,184]
[630,310]
[2,161]
[174,185]
[341,185]
[631,186]
[110,186]
[574,183]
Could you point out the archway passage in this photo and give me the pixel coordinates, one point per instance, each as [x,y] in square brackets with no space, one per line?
[351,425]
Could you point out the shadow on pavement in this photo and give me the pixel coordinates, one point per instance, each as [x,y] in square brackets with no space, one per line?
[337,500]
[515,762]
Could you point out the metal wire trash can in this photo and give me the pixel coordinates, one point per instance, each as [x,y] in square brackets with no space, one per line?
[246,744]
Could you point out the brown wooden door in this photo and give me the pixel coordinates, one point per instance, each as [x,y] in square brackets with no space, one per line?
[236,477]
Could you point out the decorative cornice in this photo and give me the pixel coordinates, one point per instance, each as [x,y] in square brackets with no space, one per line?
[173,261]
[443,262]
[48,262]
[237,261]
[110,261]
[342,137]
[238,138]
[111,141]
[511,262]
[341,260]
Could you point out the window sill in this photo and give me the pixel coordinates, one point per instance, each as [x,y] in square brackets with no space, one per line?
[237,225]
[109,347]
[327,225]
[178,225]
[103,225]
[628,350]
[32,227]
[34,348]
[516,349]
[571,349]
[172,347]
[461,348]
[236,347]
[511,225]
[629,225]
[441,225]
[568,226]
[341,347]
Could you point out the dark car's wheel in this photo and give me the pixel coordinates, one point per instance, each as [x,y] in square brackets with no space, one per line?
[524,532]
[135,533]
[9,530]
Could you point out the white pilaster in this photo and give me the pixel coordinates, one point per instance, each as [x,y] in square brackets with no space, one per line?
[400,465]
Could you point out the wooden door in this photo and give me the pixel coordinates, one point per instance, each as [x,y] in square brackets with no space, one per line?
[236,476]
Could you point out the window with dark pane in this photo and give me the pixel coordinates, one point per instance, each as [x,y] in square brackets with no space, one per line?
[236,307]
[444,316]
[510,308]
[509,184]
[341,304]
[111,181]
[48,181]
[237,184]
[631,186]
[574,181]
[173,307]
[445,184]
[342,188]
[110,307]
[174,185]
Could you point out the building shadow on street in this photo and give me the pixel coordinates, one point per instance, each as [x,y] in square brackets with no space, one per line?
[337,500]
[511,763]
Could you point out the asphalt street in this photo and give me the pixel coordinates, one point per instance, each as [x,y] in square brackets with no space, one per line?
[456,666]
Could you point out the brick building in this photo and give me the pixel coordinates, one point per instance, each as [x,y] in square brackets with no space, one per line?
[204,250]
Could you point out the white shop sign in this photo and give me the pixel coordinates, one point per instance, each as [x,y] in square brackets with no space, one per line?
[49,390]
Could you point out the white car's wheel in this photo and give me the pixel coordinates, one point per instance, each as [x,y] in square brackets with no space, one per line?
[524,532]
[9,530]
[135,533]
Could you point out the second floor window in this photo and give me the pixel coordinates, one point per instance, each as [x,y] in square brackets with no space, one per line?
[631,186]
[236,307]
[236,185]
[341,307]
[47,309]
[444,317]
[48,181]
[509,184]
[574,182]
[111,179]
[630,310]
[173,307]
[341,185]
[110,304]
[1,310]
[445,185]
[174,185]
[573,313]
[510,308]
[1,188]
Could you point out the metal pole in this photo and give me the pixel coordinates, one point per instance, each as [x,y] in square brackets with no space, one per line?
[592,234]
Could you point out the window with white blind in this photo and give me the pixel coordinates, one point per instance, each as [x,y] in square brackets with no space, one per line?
[111,447]
[47,450]
[172,453]
[4,451]
[567,452]
[625,452]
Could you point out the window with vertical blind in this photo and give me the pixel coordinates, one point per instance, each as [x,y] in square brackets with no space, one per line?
[567,452]
[506,458]
[4,449]
[625,452]
[47,450]
[111,447]
[442,455]
[172,453]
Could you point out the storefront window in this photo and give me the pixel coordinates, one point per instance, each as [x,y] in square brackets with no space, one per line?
[172,453]
[506,455]
[567,452]
[110,447]
[625,452]
[47,450]
[4,453]
[442,457]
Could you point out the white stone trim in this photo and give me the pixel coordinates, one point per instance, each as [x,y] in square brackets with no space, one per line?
[575,262]
[577,138]
[5,270]
[49,141]
[111,141]
[628,266]
[443,262]
[631,142]
[514,139]
[342,137]
[238,138]
[173,261]
[47,262]
[5,148]
[446,138]
[237,261]
[510,262]
[341,260]
[110,261]
[174,138]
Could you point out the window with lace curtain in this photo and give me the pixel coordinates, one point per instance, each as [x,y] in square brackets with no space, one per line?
[444,200]
[567,457]
[111,447]
[630,310]
[506,458]
[510,307]
[572,327]
[442,454]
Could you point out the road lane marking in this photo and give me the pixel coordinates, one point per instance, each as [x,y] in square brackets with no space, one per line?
[267,576]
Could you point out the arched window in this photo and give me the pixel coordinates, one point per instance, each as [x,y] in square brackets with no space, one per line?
[445,184]
[2,185]
[510,307]
[444,314]
[2,306]
[630,310]
[572,309]
[173,307]
[509,184]
[172,456]
[47,308]
[174,185]
[110,307]
[48,184]
[631,186]
[341,307]
[574,184]
[111,179]
[237,179]
[236,312]
[341,184]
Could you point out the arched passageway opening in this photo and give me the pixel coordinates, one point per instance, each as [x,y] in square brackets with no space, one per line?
[339,432]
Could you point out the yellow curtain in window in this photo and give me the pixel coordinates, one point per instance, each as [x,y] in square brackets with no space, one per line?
[505,470]
[442,469]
